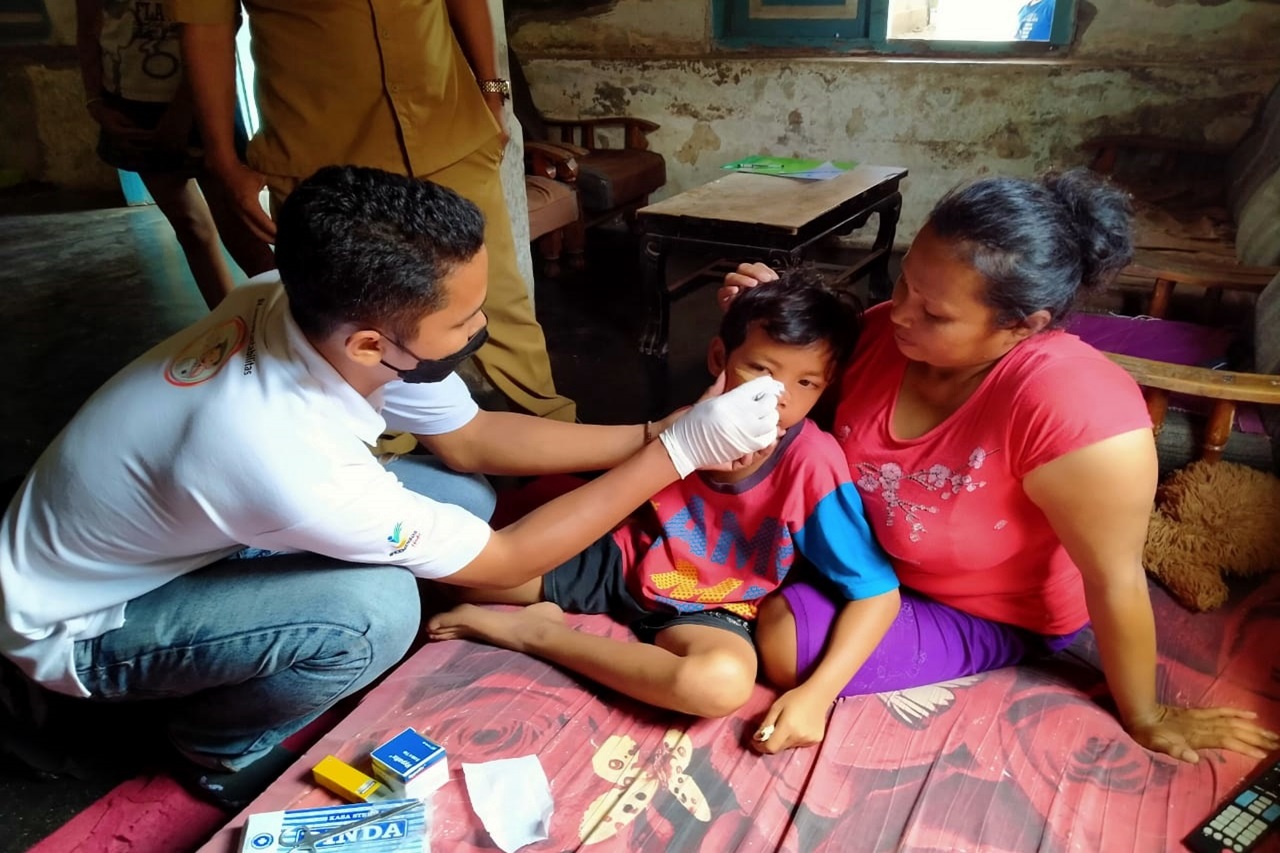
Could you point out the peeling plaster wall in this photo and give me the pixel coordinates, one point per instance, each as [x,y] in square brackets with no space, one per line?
[1182,30]
[1195,70]
[623,27]
[66,137]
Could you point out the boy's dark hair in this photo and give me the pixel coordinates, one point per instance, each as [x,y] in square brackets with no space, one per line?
[799,309]
[369,247]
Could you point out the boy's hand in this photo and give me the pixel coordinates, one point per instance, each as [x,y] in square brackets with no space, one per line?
[723,429]
[746,276]
[796,718]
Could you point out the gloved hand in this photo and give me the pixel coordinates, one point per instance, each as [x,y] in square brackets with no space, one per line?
[722,429]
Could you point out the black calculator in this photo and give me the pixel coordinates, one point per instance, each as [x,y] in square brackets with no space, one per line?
[1241,823]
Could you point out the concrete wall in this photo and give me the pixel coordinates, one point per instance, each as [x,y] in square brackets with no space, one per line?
[1190,69]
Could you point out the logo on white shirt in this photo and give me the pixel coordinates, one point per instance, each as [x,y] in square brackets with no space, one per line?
[401,541]
[200,360]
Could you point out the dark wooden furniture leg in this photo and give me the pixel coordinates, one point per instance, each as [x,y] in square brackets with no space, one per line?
[879,284]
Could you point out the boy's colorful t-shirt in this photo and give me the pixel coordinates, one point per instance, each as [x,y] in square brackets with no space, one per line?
[700,545]
[949,506]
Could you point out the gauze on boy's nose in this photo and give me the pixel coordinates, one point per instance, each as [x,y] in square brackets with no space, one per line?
[784,393]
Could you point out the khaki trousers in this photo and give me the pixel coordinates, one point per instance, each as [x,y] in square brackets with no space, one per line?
[515,358]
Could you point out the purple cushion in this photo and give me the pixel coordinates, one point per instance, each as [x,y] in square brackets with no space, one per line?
[1170,341]
[1159,340]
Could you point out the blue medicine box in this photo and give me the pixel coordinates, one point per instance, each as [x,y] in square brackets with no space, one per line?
[410,765]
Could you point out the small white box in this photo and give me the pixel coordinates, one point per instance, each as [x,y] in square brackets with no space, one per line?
[410,765]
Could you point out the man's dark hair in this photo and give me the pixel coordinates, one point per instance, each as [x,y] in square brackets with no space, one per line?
[364,246]
[799,309]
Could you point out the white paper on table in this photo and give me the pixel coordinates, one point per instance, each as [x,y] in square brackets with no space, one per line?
[822,172]
[512,798]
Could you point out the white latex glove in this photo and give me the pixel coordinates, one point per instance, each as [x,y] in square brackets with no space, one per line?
[719,430]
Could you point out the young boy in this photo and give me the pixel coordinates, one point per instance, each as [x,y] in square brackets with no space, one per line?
[689,569]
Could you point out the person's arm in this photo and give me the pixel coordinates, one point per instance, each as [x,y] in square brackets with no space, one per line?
[522,445]
[313,495]
[552,533]
[799,716]
[209,59]
[507,443]
[473,28]
[714,432]
[1098,500]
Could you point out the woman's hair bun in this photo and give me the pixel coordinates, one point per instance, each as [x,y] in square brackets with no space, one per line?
[1102,217]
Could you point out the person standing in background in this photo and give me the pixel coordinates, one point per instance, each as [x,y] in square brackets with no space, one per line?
[131,63]
[409,87]
[1035,21]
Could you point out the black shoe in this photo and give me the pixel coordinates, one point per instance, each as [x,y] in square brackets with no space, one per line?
[235,790]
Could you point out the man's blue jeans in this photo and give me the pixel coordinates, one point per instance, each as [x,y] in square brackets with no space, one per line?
[246,652]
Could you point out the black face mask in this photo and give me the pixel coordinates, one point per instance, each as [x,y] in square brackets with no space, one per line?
[436,369]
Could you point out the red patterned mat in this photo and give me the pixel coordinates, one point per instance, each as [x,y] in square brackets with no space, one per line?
[1015,760]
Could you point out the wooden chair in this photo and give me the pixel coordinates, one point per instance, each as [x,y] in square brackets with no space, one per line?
[1198,410]
[555,217]
[1225,389]
[1207,218]
[611,182]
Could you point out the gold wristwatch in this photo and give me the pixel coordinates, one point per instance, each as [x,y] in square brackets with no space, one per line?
[496,87]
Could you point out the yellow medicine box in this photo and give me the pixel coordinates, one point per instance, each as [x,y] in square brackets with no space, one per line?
[348,782]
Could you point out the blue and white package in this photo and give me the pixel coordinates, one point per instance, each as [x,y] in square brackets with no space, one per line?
[404,829]
[410,765]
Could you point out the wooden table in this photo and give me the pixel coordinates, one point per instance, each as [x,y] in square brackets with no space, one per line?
[760,218]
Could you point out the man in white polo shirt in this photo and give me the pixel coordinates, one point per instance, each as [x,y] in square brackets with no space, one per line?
[211,528]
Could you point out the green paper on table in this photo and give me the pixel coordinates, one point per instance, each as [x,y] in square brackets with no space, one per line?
[791,167]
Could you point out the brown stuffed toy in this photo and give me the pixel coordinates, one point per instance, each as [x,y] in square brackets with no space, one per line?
[1211,520]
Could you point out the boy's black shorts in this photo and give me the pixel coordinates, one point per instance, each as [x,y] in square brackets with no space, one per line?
[594,582]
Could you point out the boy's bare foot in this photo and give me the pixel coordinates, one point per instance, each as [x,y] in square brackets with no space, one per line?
[508,630]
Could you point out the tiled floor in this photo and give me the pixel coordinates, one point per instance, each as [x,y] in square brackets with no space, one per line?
[83,291]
